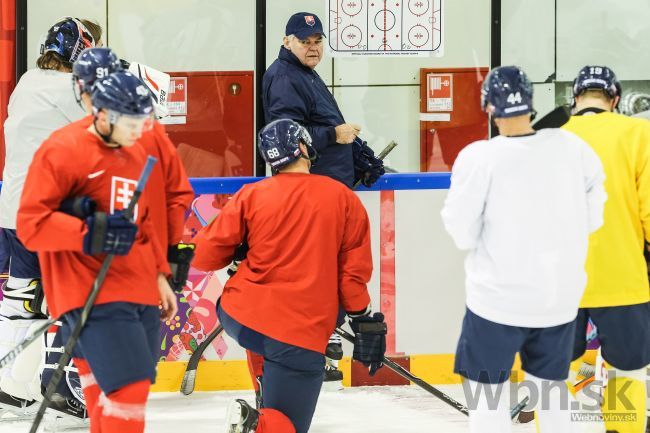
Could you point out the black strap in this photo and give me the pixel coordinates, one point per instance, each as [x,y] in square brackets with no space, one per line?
[590,110]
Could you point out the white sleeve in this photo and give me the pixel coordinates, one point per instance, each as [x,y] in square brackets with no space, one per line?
[462,213]
[68,105]
[594,186]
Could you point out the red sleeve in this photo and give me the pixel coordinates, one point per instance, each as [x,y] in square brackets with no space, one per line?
[355,258]
[39,225]
[161,256]
[178,191]
[216,242]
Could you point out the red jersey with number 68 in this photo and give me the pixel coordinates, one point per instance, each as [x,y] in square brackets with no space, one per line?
[309,239]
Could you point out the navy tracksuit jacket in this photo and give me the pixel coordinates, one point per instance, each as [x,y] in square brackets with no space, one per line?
[294,91]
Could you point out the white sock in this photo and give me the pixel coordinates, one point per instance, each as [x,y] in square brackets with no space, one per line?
[492,411]
[553,414]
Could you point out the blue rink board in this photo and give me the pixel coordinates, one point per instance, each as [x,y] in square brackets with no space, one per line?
[388,182]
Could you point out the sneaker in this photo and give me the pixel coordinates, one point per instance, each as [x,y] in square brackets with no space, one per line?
[65,414]
[241,417]
[16,409]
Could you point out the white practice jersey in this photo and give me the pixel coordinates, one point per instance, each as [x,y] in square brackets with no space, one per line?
[524,208]
[42,102]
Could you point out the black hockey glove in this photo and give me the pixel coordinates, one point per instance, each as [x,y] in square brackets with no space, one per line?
[369,340]
[238,257]
[109,234]
[179,257]
[80,207]
[367,167]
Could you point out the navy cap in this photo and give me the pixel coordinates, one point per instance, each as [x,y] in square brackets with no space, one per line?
[303,25]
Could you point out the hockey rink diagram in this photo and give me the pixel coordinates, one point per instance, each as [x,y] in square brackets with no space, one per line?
[386,27]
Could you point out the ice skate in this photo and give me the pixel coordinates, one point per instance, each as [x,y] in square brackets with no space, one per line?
[241,417]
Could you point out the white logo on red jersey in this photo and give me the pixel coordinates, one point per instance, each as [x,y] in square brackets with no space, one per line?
[96,174]
[122,191]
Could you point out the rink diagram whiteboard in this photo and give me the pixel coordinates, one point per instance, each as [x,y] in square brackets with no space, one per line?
[385,27]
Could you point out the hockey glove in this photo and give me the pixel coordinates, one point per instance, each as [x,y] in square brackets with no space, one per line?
[367,167]
[238,257]
[109,234]
[179,257]
[80,207]
[369,340]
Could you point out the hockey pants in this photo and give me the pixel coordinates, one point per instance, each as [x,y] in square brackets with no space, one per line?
[292,376]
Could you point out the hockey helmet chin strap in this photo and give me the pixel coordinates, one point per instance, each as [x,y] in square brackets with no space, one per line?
[312,154]
[108,138]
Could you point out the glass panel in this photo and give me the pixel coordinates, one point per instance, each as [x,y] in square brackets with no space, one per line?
[556,38]
[207,47]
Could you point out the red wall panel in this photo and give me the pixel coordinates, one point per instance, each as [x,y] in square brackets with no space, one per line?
[7,65]
[217,137]
[441,141]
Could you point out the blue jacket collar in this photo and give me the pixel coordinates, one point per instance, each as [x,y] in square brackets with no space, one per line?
[288,56]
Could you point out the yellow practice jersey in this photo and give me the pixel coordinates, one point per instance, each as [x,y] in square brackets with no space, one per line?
[616,269]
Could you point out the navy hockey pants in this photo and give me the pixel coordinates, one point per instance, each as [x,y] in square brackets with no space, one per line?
[293,376]
[22,262]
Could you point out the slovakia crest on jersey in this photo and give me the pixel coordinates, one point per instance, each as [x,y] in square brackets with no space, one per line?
[122,191]
[309,19]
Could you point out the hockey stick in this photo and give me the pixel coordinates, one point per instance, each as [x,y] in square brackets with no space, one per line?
[388,149]
[426,386]
[189,378]
[85,312]
[410,376]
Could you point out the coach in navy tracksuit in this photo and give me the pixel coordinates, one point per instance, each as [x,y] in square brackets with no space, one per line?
[292,89]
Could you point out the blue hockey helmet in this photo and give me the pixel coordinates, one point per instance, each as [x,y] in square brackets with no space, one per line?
[122,93]
[507,92]
[597,77]
[68,38]
[94,64]
[279,142]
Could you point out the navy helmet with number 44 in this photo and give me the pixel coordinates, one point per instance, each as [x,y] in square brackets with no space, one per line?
[507,92]
[279,142]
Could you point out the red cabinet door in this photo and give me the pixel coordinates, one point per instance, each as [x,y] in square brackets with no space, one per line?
[215,136]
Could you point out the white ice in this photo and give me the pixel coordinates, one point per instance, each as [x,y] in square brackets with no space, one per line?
[381,409]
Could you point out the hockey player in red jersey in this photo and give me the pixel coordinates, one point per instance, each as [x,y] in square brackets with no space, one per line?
[41,103]
[309,253]
[118,348]
[168,179]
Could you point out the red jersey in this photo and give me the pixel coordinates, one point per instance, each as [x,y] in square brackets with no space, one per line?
[309,253]
[74,162]
[168,182]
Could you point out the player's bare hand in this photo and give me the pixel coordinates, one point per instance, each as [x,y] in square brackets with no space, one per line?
[168,303]
[346,132]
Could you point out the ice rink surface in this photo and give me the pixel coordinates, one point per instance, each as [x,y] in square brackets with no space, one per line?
[383,409]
